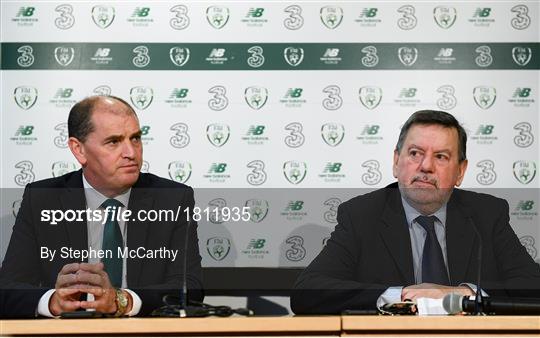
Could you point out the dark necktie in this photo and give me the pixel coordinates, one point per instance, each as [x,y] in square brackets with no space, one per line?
[433,267]
[112,240]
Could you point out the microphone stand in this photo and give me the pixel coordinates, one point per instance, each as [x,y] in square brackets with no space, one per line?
[478,300]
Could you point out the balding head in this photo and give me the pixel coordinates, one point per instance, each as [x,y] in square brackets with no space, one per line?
[80,116]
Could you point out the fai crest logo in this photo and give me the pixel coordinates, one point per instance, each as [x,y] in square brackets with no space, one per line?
[448,100]
[258,209]
[484,58]
[295,20]
[332,133]
[408,20]
[373,174]
[256,97]
[179,56]
[293,55]
[522,19]
[25,97]
[484,96]
[66,20]
[525,137]
[25,175]
[103,16]
[217,16]
[102,90]
[61,168]
[257,176]
[487,176]
[218,134]
[444,16]
[295,171]
[141,97]
[218,247]
[524,171]
[407,55]
[181,138]
[26,59]
[180,171]
[521,55]
[333,101]
[331,16]
[64,55]
[371,59]
[370,96]
[257,58]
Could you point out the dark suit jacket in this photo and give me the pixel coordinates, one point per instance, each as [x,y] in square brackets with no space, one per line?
[370,250]
[25,276]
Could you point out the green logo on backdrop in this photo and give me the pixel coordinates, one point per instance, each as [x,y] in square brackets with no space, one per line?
[25,97]
[217,168]
[485,129]
[332,167]
[217,16]
[218,134]
[295,206]
[26,11]
[24,130]
[525,205]
[524,171]
[256,97]
[103,16]
[256,244]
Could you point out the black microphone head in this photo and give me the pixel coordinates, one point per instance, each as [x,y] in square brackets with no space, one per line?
[452,303]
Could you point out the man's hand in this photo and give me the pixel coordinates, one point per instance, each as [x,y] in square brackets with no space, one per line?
[96,281]
[77,278]
[429,290]
[67,292]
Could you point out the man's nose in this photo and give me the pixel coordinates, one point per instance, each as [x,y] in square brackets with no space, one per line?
[128,150]
[427,164]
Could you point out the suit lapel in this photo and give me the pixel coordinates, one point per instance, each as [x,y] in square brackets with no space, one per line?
[72,198]
[459,240]
[139,199]
[395,234]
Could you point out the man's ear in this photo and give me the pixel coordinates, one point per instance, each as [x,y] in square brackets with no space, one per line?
[77,149]
[394,163]
[461,173]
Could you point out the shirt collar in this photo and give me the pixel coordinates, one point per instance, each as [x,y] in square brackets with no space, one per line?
[411,213]
[94,198]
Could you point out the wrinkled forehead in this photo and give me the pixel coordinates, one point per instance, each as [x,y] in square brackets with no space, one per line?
[433,136]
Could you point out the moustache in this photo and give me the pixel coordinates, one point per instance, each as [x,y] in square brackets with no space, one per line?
[425,179]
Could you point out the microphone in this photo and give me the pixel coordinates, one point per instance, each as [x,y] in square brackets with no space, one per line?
[455,303]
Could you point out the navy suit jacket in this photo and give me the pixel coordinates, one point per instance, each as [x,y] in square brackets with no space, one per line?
[25,277]
[370,250]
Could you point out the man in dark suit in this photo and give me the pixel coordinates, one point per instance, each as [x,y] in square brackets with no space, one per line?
[130,262]
[416,238]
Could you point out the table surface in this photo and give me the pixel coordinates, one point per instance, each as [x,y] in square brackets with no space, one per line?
[327,325]
[320,324]
[441,323]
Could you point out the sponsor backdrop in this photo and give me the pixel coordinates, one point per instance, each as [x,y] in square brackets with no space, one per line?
[288,108]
